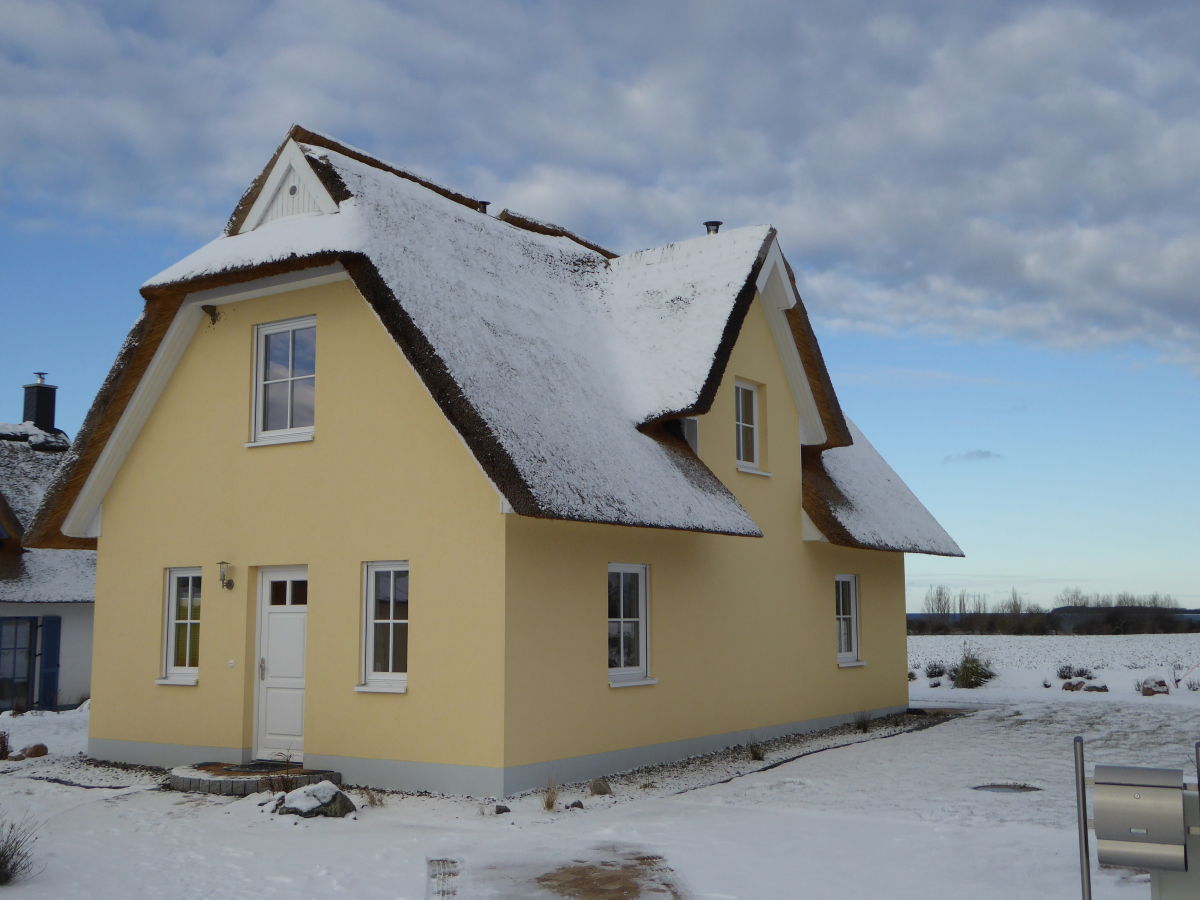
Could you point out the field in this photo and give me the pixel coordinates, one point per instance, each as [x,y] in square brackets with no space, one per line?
[882,814]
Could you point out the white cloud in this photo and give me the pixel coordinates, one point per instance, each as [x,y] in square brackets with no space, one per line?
[1019,170]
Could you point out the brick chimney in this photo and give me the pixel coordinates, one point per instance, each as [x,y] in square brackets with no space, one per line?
[39,403]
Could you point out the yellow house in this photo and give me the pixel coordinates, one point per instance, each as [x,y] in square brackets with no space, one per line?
[452,501]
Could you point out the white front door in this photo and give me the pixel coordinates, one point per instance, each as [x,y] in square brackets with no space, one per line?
[282,618]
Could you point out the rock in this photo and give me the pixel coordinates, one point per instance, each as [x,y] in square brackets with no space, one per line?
[1073,685]
[320,799]
[17,757]
[501,809]
[600,787]
[1045,683]
[1101,688]
[575,804]
[1152,686]
[34,750]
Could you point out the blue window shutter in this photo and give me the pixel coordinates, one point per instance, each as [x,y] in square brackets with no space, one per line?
[48,676]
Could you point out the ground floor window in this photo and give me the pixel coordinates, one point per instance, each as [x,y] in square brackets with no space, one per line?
[627,622]
[846,612]
[386,639]
[183,625]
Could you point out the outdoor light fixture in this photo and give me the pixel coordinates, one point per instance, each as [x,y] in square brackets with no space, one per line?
[224,571]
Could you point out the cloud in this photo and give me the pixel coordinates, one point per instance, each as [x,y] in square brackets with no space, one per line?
[972,456]
[989,170]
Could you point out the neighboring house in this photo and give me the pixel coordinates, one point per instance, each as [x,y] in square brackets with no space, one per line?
[45,595]
[460,502]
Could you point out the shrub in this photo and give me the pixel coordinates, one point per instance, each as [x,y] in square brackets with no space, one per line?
[757,752]
[1084,672]
[912,676]
[862,721]
[16,850]
[1065,671]
[5,746]
[971,671]
[1193,684]
[934,669]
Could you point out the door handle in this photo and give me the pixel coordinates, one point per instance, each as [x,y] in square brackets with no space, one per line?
[262,667]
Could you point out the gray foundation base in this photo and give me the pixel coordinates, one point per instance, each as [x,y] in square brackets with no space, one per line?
[475,781]
[483,781]
[149,753]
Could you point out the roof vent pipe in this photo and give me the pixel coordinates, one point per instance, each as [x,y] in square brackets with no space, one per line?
[39,403]
[483,205]
[713,226]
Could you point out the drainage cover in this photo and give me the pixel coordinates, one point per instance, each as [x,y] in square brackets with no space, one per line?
[1006,788]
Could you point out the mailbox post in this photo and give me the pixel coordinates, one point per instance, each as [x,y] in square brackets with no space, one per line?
[1146,819]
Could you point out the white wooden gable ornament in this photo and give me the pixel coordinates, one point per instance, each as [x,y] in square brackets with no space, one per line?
[291,189]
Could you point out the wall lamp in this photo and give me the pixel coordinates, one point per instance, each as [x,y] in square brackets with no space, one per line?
[224,570]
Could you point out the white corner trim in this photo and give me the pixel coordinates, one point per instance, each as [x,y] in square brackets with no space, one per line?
[83,519]
[631,682]
[775,291]
[291,158]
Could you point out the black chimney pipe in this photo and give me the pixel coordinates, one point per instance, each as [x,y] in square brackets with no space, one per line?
[39,403]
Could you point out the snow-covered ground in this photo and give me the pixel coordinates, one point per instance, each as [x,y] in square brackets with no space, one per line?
[894,815]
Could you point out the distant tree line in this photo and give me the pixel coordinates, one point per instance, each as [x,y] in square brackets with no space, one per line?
[947,612]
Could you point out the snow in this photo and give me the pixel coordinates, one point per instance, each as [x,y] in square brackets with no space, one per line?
[561,352]
[894,815]
[880,510]
[310,796]
[38,576]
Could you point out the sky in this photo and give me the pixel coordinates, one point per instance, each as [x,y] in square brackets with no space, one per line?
[991,208]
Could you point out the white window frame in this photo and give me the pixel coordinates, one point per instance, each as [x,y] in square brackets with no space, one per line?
[847,655]
[690,426]
[259,433]
[372,681]
[173,674]
[620,676]
[754,460]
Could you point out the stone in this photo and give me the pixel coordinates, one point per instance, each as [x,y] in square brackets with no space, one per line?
[501,809]
[600,787]
[1096,688]
[575,804]
[1153,686]
[1073,685]
[34,750]
[17,757]
[321,799]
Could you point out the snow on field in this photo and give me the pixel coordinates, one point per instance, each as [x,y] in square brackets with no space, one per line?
[895,815]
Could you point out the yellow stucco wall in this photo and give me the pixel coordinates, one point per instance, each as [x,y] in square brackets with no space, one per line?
[741,629]
[385,478]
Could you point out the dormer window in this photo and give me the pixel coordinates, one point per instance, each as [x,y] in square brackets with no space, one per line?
[747,424]
[285,379]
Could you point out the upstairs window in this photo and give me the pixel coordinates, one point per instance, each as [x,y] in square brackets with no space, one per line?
[748,431]
[691,432]
[285,379]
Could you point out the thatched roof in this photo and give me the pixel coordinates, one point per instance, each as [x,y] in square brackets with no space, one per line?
[556,362]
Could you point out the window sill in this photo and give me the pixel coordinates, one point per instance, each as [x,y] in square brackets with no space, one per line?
[378,688]
[750,470]
[179,680]
[630,682]
[272,439]
[851,663]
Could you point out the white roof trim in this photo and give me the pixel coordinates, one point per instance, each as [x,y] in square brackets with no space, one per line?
[291,160]
[775,290]
[83,519]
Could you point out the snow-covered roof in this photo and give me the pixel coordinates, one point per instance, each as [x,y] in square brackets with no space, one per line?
[561,353]
[855,499]
[29,461]
[559,365]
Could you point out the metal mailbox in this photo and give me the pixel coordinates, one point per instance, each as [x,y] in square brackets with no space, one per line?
[1139,818]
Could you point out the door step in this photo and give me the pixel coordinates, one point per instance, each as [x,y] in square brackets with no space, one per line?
[241,779]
